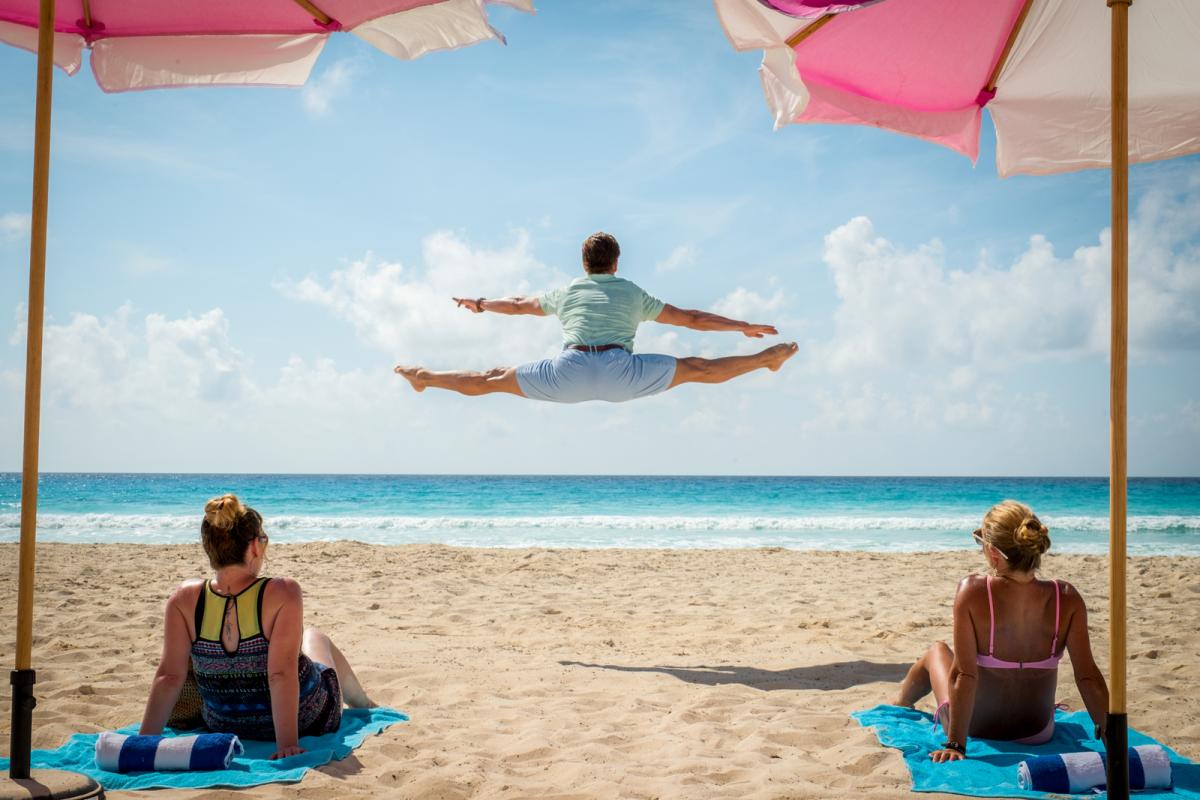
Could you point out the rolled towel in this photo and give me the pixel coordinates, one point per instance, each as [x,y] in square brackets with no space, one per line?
[119,752]
[1079,773]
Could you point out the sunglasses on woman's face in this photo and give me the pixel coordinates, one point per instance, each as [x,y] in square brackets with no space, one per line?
[978,536]
[262,537]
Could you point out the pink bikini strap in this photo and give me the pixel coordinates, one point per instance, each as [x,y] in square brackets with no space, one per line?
[991,619]
[1057,610]
[937,717]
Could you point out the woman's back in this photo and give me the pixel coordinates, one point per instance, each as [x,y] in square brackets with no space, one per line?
[1010,631]
[229,654]
[260,673]
[1020,630]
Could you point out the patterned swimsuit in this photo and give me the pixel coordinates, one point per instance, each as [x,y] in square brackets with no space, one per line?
[233,685]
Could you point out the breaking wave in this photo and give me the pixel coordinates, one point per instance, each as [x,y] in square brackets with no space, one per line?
[1164,534]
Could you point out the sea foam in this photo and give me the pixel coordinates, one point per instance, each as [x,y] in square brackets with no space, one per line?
[1178,534]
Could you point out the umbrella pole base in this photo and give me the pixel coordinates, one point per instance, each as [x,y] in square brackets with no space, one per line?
[50,784]
[22,783]
[23,703]
[1117,747]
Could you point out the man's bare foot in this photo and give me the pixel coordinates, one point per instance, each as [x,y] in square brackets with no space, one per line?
[415,376]
[776,355]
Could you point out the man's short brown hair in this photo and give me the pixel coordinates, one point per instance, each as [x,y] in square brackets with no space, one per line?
[600,251]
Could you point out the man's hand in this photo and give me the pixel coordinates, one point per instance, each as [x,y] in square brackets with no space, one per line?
[758,331]
[942,756]
[475,306]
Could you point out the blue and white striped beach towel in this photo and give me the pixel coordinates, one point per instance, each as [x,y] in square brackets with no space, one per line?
[125,752]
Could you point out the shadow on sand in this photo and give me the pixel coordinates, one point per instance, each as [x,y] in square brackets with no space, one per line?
[825,677]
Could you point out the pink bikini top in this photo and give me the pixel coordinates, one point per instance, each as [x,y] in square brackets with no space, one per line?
[990,660]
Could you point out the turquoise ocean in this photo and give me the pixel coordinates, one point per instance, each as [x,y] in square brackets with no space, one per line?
[827,513]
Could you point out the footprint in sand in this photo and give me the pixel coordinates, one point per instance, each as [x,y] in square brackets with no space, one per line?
[865,764]
[428,787]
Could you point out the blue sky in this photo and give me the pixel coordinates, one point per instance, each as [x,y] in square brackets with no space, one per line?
[233,272]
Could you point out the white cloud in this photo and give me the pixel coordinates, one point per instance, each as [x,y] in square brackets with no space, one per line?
[652,338]
[20,323]
[1189,415]
[908,306]
[408,313]
[326,398]
[14,226]
[864,406]
[682,256]
[150,392]
[320,92]
[961,413]
[750,306]
[919,343]
[849,408]
[157,364]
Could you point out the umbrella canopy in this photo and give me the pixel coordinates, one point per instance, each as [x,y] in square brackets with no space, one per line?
[150,44]
[1063,95]
[928,68]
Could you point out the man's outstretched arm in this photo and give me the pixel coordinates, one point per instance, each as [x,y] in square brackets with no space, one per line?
[708,321]
[506,305]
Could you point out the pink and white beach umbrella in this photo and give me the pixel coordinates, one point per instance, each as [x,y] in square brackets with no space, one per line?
[928,68]
[1063,94]
[150,44]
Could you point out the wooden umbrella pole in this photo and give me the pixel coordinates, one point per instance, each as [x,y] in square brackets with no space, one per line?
[317,14]
[23,676]
[1117,725]
[808,30]
[1008,46]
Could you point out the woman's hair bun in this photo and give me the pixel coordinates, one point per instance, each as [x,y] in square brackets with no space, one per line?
[223,512]
[1032,536]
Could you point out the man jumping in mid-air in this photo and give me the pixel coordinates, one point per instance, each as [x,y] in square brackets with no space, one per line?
[600,314]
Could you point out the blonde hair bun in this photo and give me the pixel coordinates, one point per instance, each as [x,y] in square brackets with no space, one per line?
[223,512]
[1032,536]
[1014,530]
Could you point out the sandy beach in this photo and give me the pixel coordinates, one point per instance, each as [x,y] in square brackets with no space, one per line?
[593,674]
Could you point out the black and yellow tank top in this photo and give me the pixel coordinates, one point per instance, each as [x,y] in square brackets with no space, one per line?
[233,685]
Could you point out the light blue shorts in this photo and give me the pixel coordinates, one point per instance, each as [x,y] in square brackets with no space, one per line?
[615,376]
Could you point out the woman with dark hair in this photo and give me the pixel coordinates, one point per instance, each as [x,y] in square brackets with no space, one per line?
[260,673]
[1010,631]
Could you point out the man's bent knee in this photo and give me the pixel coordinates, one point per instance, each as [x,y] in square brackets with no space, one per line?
[691,369]
[503,379]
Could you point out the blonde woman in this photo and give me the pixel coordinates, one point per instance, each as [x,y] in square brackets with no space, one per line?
[1011,628]
[260,673]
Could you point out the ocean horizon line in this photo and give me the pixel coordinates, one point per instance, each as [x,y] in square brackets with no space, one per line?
[588,510]
[789,476]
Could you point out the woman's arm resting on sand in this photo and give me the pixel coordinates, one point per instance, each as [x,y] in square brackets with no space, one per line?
[172,667]
[1088,678]
[707,321]
[963,680]
[506,305]
[283,653]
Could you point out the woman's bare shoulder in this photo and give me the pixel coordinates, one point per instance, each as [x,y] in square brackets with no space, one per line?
[972,584]
[971,592]
[283,589]
[1070,595]
[187,592]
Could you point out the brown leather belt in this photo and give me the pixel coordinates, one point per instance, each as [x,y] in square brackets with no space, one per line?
[595,348]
